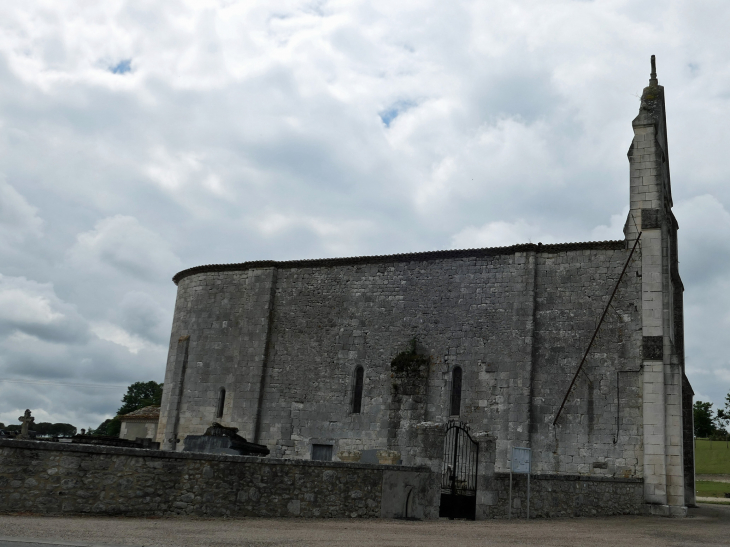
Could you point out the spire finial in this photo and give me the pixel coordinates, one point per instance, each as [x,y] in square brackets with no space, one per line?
[652,79]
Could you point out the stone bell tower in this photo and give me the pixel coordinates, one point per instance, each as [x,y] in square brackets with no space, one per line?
[651,219]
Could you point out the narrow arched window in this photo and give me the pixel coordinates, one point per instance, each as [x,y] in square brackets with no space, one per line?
[357,394]
[221,403]
[456,392]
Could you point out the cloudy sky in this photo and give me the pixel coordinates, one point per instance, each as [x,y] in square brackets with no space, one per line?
[139,138]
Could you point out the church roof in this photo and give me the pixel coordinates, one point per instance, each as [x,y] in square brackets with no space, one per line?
[405,257]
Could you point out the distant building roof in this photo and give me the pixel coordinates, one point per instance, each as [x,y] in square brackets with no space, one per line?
[146,414]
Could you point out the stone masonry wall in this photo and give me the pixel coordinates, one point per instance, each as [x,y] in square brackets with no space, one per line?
[599,432]
[567,496]
[469,312]
[226,316]
[516,320]
[51,478]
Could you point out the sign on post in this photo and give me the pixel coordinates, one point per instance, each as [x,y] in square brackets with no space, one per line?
[521,465]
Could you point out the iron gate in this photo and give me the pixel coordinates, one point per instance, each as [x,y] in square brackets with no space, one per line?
[459,473]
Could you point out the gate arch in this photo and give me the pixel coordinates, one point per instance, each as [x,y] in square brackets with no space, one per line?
[459,472]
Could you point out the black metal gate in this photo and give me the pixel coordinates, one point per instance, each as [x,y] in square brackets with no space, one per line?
[459,473]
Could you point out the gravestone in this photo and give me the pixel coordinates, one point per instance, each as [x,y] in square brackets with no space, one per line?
[25,420]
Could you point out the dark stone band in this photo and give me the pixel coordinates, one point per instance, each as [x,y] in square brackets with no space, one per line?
[650,219]
[653,348]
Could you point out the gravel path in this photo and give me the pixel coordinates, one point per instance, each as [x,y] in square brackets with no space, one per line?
[708,525]
[713,478]
[708,499]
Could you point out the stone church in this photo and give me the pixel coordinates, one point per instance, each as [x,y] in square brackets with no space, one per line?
[574,350]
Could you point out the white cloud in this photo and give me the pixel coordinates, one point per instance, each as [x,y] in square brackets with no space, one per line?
[123,244]
[614,230]
[117,335]
[18,219]
[337,236]
[255,130]
[704,238]
[144,317]
[500,234]
[35,310]
[19,306]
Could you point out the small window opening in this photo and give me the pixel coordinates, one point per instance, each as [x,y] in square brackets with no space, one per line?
[221,403]
[357,395]
[456,392]
[322,452]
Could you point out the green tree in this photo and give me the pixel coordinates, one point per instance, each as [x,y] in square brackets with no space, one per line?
[140,395]
[704,421]
[722,419]
[110,427]
[54,430]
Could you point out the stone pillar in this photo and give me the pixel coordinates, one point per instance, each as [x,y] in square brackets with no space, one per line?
[429,446]
[172,397]
[486,487]
[520,395]
[654,403]
[674,437]
[690,494]
[253,376]
[651,216]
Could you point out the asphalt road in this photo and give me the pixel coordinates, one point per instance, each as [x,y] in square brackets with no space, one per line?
[707,526]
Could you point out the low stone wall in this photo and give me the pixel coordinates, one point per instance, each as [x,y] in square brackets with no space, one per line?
[53,478]
[562,496]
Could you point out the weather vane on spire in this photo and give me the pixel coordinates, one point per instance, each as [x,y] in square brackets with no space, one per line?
[653,80]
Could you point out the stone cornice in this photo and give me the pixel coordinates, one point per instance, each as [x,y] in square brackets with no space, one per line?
[405,257]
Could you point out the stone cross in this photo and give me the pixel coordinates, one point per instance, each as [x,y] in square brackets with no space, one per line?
[26,419]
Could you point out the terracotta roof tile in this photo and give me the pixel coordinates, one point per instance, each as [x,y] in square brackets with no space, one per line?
[143,414]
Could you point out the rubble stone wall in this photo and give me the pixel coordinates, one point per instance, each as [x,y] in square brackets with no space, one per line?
[53,478]
[565,496]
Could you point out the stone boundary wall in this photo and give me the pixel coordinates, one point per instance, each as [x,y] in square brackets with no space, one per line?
[53,478]
[565,496]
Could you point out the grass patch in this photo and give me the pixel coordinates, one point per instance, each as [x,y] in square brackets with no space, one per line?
[712,457]
[708,489]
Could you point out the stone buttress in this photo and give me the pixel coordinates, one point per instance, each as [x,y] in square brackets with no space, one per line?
[662,319]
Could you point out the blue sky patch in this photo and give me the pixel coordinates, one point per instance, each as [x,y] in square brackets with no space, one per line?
[122,67]
[394,111]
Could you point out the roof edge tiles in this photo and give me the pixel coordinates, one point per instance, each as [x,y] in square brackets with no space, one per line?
[405,257]
[144,414]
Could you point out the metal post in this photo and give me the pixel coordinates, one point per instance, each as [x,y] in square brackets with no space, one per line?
[509,509]
[454,461]
[528,496]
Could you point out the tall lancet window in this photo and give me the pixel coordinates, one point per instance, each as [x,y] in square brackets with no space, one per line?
[221,403]
[357,394]
[456,391]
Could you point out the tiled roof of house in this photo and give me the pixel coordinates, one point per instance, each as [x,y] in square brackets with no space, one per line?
[146,414]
